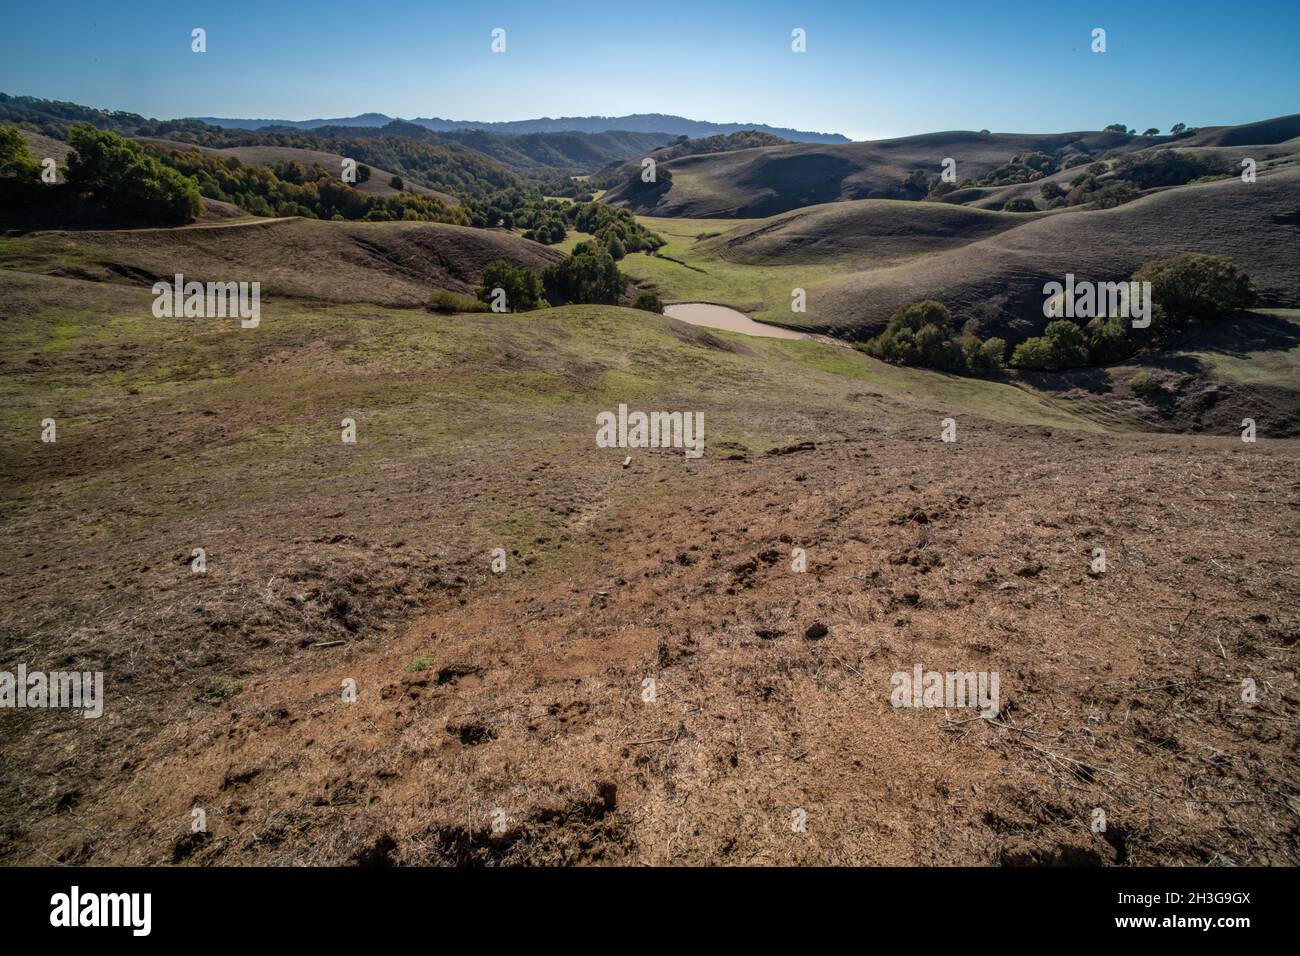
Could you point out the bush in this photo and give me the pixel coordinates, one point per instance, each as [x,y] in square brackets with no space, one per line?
[118,174]
[1067,342]
[589,275]
[1169,167]
[1115,194]
[448,303]
[1195,287]
[1035,353]
[1020,204]
[649,302]
[1146,383]
[993,353]
[920,334]
[396,182]
[521,285]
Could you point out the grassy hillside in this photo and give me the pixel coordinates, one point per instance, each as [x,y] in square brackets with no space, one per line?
[999,280]
[770,180]
[369,562]
[391,263]
[377,185]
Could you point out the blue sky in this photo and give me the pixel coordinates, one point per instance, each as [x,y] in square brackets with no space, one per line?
[872,69]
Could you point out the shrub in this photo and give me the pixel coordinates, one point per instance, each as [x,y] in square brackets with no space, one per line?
[1069,347]
[1146,383]
[1020,204]
[396,182]
[1035,353]
[1170,167]
[993,353]
[1196,287]
[521,285]
[915,184]
[1051,191]
[221,688]
[920,334]
[649,302]
[1115,194]
[448,303]
[589,275]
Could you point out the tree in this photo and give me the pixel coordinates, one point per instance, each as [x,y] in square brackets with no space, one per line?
[588,275]
[1035,353]
[1020,204]
[396,182]
[1152,132]
[650,302]
[1114,194]
[993,353]
[916,183]
[520,284]
[1069,348]
[15,159]
[118,174]
[1196,287]
[1051,191]
[1117,128]
[1178,129]
[363,173]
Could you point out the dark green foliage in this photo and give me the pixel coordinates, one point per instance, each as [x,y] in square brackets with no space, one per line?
[1034,354]
[15,158]
[649,302]
[588,276]
[522,287]
[606,223]
[1021,169]
[1169,167]
[292,189]
[916,184]
[1112,195]
[921,334]
[1020,204]
[1194,287]
[1186,288]
[121,176]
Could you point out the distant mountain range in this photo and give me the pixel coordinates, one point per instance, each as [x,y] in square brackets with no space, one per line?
[633,123]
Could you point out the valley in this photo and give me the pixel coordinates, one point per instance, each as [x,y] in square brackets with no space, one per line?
[471,634]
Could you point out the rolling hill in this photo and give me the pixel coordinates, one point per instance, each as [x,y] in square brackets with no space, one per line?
[770,180]
[368,562]
[655,123]
[397,264]
[998,280]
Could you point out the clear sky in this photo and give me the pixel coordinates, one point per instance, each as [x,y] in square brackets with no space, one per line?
[872,70]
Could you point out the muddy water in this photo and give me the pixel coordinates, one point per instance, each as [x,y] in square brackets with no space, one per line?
[729,320]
